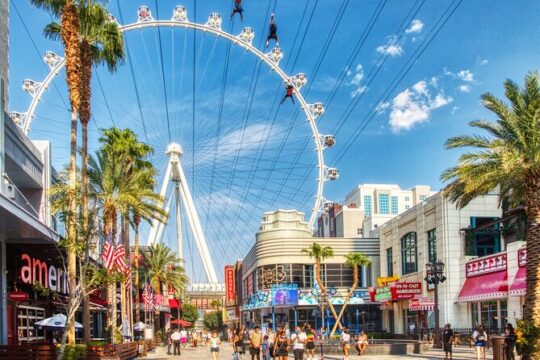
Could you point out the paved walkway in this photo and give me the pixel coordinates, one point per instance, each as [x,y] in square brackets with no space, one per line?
[460,353]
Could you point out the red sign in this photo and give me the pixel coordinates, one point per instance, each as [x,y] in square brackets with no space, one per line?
[18,296]
[405,290]
[230,288]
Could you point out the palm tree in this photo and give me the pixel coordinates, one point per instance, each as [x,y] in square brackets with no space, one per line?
[69,34]
[507,159]
[320,253]
[100,42]
[352,260]
[163,268]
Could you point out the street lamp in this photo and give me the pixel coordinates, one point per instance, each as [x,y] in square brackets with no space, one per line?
[363,314]
[434,276]
[322,298]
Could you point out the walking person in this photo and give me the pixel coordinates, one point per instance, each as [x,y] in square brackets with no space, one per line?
[281,346]
[289,92]
[175,337]
[345,341]
[238,9]
[265,348]
[299,340]
[510,340]
[310,342]
[169,341]
[447,338]
[272,31]
[213,344]
[238,343]
[480,340]
[271,340]
[183,337]
[255,341]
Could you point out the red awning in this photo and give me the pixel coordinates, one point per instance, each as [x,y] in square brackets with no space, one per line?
[483,287]
[174,303]
[520,283]
[422,305]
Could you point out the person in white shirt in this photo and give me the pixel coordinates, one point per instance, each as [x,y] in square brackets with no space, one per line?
[175,338]
[299,340]
[183,337]
[345,340]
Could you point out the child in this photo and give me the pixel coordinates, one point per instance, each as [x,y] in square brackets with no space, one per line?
[265,347]
[214,344]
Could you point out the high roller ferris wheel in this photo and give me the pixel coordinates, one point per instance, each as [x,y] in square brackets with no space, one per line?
[174,172]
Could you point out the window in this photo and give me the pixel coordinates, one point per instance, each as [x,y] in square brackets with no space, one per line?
[297,274]
[432,246]
[407,198]
[26,317]
[394,204]
[367,205]
[384,205]
[423,197]
[389,262]
[407,207]
[309,276]
[485,240]
[409,263]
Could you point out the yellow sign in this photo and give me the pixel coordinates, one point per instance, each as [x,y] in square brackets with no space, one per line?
[382,281]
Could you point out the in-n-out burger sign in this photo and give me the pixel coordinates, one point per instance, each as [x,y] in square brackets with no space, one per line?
[34,270]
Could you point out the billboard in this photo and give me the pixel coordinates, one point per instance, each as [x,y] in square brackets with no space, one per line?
[230,288]
[285,295]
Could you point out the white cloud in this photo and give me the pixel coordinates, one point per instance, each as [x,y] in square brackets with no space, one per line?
[434,82]
[391,48]
[466,75]
[381,107]
[359,91]
[483,62]
[414,106]
[465,88]
[454,109]
[415,27]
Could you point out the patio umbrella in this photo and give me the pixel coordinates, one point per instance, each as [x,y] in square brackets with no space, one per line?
[56,322]
[180,322]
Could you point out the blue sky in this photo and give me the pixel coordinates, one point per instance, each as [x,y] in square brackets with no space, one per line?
[252,155]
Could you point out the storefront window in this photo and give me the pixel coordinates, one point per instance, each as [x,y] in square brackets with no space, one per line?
[26,317]
[309,276]
[489,314]
[504,313]
[432,246]
[297,274]
[409,262]
[474,314]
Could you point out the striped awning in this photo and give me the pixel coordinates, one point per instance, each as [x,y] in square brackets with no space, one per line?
[485,287]
[428,305]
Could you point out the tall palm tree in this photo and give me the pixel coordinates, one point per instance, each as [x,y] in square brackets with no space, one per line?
[66,10]
[507,159]
[352,260]
[320,253]
[163,268]
[100,42]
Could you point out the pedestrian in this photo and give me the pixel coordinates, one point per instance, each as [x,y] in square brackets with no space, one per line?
[299,340]
[213,344]
[271,339]
[265,348]
[169,341]
[510,340]
[310,342]
[238,343]
[289,92]
[183,337]
[272,31]
[480,340]
[238,9]
[345,341]
[255,341]
[194,338]
[447,338]
[175,337]
[281,346]
[361,342]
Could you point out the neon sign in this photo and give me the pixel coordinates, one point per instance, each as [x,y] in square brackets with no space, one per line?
[35,271]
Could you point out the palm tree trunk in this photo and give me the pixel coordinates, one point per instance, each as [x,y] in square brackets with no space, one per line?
[349,295]
[531,308]
[110,230]
[323,290]
[72,230]
[137,300]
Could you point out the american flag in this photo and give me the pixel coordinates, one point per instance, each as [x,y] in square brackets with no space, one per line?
[108,253]
[148,298]
[120,257]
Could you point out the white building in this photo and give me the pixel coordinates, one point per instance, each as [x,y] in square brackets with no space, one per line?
[481,263]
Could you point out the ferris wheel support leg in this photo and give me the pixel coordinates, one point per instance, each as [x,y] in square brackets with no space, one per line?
[156,223]
[179,238]
[194,221]
[161,226]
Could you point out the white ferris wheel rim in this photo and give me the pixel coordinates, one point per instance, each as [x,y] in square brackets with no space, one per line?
[310,110]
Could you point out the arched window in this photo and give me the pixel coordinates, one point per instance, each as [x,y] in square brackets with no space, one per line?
[409,258]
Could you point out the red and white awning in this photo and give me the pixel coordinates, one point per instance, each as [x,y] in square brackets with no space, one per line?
[519,286]
[422,305]
[484,287]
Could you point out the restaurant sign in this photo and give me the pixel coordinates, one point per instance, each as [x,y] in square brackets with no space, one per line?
[34,271]
[397,291]
[383,294]
[230,289]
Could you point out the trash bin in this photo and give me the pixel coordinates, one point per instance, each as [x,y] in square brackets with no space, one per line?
[497,343]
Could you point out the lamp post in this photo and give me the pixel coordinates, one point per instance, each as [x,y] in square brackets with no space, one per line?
[434,276]
[363,314]
[322,298]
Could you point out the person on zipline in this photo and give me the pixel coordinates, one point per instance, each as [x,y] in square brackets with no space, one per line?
[238,9]
[272,34]
[288,94]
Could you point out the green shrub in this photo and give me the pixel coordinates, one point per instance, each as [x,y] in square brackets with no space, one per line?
[74,352]
[98,343]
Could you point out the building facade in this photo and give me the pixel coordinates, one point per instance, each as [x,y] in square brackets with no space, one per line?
[480,263]
[278,280]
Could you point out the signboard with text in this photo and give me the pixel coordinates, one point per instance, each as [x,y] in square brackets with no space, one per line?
[406,290]
[230,288]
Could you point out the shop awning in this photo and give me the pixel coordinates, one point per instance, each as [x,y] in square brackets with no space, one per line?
[483,287]
[174,303]
[422,305]
[519,286]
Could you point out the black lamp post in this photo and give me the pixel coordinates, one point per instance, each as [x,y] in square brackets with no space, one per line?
[434,275]
[322,299]
[363,314]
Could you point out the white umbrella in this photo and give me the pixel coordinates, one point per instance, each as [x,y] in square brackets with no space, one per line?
[56,322]
[139,326]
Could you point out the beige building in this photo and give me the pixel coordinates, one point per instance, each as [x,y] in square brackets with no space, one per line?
[276,262]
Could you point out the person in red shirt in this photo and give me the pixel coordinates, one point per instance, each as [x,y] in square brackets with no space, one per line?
[238,9]
[289,92]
